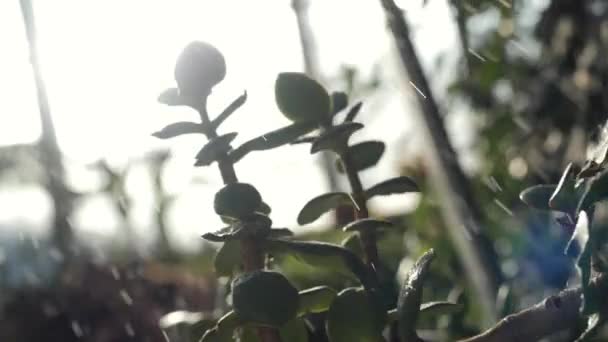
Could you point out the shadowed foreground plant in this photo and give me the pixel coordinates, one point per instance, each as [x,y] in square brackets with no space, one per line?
[266,306]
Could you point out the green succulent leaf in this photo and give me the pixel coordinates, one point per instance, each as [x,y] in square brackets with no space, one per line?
[352,113]
[276,233]
[228,323]
[363,155]
[171,97]
[222,235]
[228,259]
[335,138]
[396,185]
[199,67]
[323,255]
[294,331]
[252,292]
[264,209]
[236,104]
[353,244]
[273,139]
[595,190]
[185,323]
[410,297]
[316,299]
[237,200]
[439,308]
[538,196]
[339,101]
[179,128]
[566,196]
[304,140]
[322,204]
[594,325]
[367,224]
[355,316]
[302,99]
[215,149]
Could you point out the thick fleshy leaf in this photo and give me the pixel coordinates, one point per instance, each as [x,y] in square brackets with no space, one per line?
[594,324]
[367,224]
[322,255]
[214,149]
[237,200]
[171,97]
[538,196]
[566,196]
[236,104]
[335,138]
[177,129]
[252,292]
[322,204]
[339,101]
[439,308]
[353,244]
[316,299]
[363,155]
[222,235]
[228,259]
[396,185]
[294,331]
[276,233]
[355,316]
[410,297]
[302,99]
[304,140]
[199,67]
[352,113]
[273,139]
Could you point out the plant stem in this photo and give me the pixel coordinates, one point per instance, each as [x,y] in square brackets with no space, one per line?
[458,205]
[63,234]
[368,238]
[252,253]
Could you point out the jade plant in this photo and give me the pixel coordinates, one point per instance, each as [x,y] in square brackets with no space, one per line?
[266,306]
[578,204]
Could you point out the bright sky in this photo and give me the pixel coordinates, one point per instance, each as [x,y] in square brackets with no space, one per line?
[105,62]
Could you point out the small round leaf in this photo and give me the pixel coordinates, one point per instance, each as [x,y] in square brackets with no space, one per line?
[265,298]
[199,67]
[301,98]
[364,155]
[237,200]
[354,316]
[396,185]
[322,204]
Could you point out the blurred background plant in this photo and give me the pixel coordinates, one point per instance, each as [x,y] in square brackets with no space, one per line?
[521,85]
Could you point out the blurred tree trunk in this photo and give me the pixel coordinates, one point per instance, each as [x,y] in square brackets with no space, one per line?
[459,209]
[50,154]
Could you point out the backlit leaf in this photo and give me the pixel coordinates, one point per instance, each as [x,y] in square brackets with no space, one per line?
[177,129]
[322,204]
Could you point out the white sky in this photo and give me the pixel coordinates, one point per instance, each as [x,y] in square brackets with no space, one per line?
[105,62]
